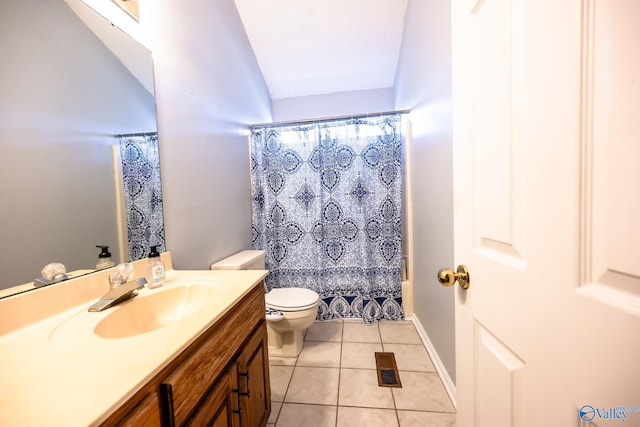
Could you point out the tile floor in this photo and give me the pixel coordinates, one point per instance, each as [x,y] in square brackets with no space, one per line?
[333,381]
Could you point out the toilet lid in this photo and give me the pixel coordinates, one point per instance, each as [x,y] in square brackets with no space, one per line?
[291,298]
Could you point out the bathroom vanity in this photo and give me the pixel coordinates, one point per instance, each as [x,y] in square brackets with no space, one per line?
[221,379]
[193,352]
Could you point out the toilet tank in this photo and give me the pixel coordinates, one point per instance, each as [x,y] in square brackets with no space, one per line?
[245,260]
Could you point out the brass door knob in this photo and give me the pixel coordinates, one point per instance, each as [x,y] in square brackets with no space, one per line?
[447,277]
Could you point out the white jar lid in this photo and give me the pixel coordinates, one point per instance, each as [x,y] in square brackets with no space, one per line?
[291,298]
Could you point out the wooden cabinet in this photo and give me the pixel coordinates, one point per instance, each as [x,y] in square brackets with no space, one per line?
[241,397]
[254,390]
[220,406]
[222,379]
[145,414]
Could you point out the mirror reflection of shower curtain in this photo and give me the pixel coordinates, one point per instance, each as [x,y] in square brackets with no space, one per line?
[142,193]
[326,208]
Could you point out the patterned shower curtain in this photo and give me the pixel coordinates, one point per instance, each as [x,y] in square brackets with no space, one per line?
[143,194]
[326,208]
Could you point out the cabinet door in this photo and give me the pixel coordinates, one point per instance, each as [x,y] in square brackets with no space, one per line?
[219,408]
[253,379]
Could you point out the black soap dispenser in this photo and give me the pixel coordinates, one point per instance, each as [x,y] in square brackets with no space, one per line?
[104,258]
[155,269]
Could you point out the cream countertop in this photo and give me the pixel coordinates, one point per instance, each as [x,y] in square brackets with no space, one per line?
[57,372]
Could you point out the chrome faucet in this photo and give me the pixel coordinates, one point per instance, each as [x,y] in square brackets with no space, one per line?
[119,294]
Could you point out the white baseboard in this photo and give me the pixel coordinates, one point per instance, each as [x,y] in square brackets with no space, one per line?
[449,386]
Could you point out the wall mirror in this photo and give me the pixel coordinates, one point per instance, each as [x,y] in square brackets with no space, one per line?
[70,81]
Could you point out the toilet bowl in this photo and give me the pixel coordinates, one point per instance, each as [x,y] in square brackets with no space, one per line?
[289,311]
[299,308]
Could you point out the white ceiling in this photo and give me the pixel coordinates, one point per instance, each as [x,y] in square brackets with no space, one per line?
[311,47]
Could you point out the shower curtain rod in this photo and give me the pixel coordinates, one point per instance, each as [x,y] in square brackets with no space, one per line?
[329,119]
[125,135]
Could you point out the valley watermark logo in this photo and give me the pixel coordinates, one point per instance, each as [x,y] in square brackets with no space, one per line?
[590,413]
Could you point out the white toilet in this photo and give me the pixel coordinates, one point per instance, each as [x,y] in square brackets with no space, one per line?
[290,311]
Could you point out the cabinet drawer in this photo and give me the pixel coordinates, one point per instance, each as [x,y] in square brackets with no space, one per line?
[146,414]
[189,382]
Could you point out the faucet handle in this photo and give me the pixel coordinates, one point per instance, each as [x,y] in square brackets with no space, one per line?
[122,274]
[116,282]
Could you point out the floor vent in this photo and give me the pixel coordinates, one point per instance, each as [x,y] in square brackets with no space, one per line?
[387,370]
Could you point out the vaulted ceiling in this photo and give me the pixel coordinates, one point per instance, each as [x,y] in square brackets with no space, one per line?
[306,47]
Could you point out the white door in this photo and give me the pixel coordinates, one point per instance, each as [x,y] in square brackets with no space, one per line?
[547,211]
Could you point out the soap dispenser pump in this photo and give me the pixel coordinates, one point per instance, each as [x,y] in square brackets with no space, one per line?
[155,269]
[104,258]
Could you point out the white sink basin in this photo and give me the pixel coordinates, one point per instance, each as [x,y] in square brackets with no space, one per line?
[152,311]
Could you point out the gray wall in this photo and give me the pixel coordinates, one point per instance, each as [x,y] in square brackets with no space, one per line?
[62,97]
[208,88]
[423,84]
[333,104]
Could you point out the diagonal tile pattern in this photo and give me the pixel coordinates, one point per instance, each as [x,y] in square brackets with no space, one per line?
[333,381]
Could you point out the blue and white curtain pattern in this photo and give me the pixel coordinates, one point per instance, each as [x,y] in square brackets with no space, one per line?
[326,208]
[143,194]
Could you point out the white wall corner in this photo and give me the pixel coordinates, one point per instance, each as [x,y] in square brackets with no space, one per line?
[449,385]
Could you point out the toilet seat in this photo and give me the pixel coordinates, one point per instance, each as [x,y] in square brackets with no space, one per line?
[291,299]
